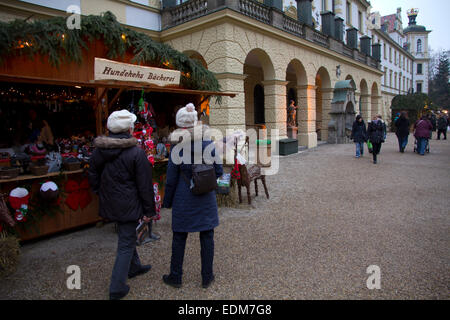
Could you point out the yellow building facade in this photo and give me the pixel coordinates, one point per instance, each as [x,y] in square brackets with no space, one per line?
[255,50]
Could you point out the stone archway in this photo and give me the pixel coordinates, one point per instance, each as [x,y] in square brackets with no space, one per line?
[323,103]
[364,108]
[196,56]
[258,69]
[296,79]
[375,102]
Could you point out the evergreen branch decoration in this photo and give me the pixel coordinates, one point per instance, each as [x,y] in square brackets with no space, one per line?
[52,38]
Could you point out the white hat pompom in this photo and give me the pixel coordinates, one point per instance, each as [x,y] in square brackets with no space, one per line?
[187,116]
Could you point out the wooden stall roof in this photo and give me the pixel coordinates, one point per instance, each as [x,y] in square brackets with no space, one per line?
[112,85]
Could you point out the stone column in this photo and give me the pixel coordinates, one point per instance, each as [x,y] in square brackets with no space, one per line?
[275,106]
[304,12]
[375,102]
[230,114]
[307,135]
[327,97]
[366,107]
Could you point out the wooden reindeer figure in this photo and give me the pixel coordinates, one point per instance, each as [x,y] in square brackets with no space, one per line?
[249,173]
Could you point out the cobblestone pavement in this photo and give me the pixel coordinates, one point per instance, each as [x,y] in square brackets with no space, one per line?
[330,216]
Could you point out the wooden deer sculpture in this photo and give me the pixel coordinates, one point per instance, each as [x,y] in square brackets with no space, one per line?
[248,174]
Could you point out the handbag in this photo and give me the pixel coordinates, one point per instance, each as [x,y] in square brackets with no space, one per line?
[203,179]
[369,146]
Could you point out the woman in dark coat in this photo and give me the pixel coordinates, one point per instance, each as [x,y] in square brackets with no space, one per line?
[190,213]
[423,129]
[402,124]
[359,135]
[375,133]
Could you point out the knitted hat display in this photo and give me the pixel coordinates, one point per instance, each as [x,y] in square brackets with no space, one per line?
[121,121]
[187,116]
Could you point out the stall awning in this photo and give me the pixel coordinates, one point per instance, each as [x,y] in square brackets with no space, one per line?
[113,85]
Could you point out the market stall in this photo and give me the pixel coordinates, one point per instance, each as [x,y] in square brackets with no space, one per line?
[56,92]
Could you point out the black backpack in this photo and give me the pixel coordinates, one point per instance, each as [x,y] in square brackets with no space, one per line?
[203,179]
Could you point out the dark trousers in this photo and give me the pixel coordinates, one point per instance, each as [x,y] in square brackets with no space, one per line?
[376,150]
[444,131]
[402,142]
[206,253]
[127,259]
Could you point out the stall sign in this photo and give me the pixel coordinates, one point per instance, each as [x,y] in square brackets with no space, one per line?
[112,70]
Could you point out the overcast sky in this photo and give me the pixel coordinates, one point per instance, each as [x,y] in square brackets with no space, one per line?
[433,14]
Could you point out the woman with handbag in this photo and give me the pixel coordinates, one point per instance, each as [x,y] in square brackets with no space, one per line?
[191,211]
[376,133]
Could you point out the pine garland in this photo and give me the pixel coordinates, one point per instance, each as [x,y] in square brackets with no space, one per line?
[52,37]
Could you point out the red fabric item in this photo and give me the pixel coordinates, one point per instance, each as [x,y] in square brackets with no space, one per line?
[16,203]
[85,195]
[78,194]
[236,173]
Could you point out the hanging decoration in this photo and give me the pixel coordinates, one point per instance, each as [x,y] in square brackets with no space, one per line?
[78,195]
[18,199]
[53,39]
[157,200]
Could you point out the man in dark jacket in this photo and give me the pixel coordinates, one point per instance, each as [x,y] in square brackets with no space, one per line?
[402,131]
[359,135]
[442,127]
[121,175]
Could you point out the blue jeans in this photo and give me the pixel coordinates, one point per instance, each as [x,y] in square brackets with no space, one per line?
[206,253]
[359,149]
[422,145]
[402,142]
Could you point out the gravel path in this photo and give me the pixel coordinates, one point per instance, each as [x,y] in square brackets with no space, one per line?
[330,216]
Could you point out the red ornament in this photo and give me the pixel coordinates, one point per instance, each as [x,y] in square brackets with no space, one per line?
[78,194]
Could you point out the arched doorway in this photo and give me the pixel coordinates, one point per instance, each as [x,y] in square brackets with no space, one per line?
[363,107]
[258,105]
[258,68]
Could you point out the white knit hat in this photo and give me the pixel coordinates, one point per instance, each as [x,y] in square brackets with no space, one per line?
[121,121]
[187,116]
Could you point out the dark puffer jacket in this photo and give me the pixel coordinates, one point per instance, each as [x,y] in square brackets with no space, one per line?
[442,123]
[359,132]
[121,175]
[190,213]
[375,131]
[402,125]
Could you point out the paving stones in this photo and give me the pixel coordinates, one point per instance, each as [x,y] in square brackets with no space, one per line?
[329,217]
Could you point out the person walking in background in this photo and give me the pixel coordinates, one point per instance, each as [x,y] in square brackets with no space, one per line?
[359,135]
[121,175]
[442,127]
[190,212]
[376,133]
[402,131]
[423,129]
[384,126]
[432,119]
